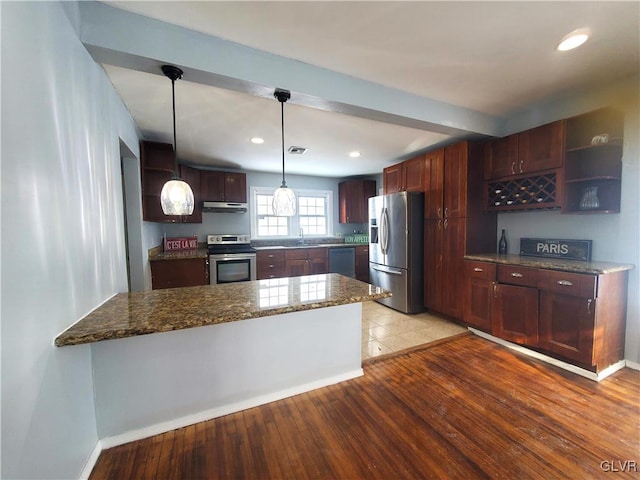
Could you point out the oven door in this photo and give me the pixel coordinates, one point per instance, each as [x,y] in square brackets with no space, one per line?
[232,267]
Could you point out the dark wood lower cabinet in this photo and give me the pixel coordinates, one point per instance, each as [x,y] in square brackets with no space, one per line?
[188,272]
[479,291]
[362,263]
[292,262]
[575,317]
[515,314]
[566,326]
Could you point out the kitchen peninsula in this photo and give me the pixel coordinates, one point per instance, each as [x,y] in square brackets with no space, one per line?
[255,342]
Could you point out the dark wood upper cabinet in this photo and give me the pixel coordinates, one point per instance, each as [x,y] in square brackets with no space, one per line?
[408,176]
[541,148]
[434,175]
[501,157]
[192,177]
[223,186]
[413,171]
[157,164]
[392,179]
[353,197]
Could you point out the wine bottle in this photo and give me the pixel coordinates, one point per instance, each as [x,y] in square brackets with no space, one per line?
[502,244]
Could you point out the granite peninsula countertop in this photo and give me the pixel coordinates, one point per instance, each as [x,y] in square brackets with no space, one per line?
[576,266]
[141,313]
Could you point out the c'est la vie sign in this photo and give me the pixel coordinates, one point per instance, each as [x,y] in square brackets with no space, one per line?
[180,243]
[556,248]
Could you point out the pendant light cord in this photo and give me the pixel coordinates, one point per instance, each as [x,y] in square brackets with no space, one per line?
[284,183]
[175,142]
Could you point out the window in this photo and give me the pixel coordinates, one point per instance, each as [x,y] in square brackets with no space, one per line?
[313,215]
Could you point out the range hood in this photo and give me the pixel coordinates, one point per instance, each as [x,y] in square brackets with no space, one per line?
[224,207]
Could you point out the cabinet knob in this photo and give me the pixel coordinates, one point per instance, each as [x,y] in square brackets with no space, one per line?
[521,165]
[565,283]
[513,168]
[478,269]
[589,305]
[517,275]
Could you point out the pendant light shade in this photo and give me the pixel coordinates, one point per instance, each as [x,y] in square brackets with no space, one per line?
[176,196]
[284,200]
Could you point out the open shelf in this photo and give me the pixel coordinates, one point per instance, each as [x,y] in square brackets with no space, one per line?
[592,169]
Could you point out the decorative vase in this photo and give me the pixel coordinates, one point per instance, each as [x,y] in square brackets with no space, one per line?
[590,199]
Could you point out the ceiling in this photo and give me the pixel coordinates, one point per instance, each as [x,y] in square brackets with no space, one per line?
[493,59]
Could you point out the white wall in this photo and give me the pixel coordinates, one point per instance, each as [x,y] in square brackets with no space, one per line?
[62,233]
[616,237]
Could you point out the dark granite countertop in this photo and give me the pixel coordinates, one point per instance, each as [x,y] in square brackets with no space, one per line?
[312,245]
[179,254]
[576,266]
[141,313]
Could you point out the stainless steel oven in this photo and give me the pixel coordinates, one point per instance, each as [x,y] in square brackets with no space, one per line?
[231,259]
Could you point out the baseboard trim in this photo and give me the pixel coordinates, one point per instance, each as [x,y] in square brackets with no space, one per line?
[91,461]
[553,361]
[632,365]
[235,407]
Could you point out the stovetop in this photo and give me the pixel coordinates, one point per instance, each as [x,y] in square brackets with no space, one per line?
[229,244]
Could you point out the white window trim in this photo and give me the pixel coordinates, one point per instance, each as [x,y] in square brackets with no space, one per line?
[294,222]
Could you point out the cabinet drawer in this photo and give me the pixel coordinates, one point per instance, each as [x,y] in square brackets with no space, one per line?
[270,256]
[517,275]
[573,284]
[271,269]
[296,254]
[480,270]
[317,252]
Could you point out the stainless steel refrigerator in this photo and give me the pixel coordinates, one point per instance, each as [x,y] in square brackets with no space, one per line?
[396,231]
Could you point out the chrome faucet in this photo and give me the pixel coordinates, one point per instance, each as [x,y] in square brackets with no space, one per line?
[301,239]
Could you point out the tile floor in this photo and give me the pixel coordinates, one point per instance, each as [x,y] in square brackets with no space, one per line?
[385,330]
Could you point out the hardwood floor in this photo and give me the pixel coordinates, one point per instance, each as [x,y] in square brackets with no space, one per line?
[461,408]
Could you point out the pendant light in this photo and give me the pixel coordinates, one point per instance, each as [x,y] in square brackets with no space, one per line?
[176,197]
[284,200]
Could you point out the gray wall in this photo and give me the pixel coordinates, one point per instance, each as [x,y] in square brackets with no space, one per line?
[62,233]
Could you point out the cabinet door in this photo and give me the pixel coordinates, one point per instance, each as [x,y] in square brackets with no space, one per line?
[541,148]
[235,187]
[392,179]
[566,326]
[480,280]
[515,314]
[192,177]
[296,268]
[212,186]
[433,264]
[455,180]
[362,263]
[353,200]
[451,275]
[318,260]
[413,174]
[186,272]
[434,174]
[501,157]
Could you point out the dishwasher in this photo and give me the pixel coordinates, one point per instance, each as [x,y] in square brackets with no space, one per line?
[343,260]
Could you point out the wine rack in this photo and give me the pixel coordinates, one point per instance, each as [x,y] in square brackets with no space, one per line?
[523,193]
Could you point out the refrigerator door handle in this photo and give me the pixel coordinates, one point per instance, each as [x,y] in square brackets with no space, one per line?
[387,270]
[384,231]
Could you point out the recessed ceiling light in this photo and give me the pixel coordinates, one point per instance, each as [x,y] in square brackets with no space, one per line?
[257,140]
[573,40]
[354,154]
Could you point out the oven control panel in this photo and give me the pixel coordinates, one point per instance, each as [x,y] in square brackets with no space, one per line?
[218,239]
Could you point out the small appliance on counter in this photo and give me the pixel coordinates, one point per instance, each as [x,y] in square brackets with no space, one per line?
[231,258]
